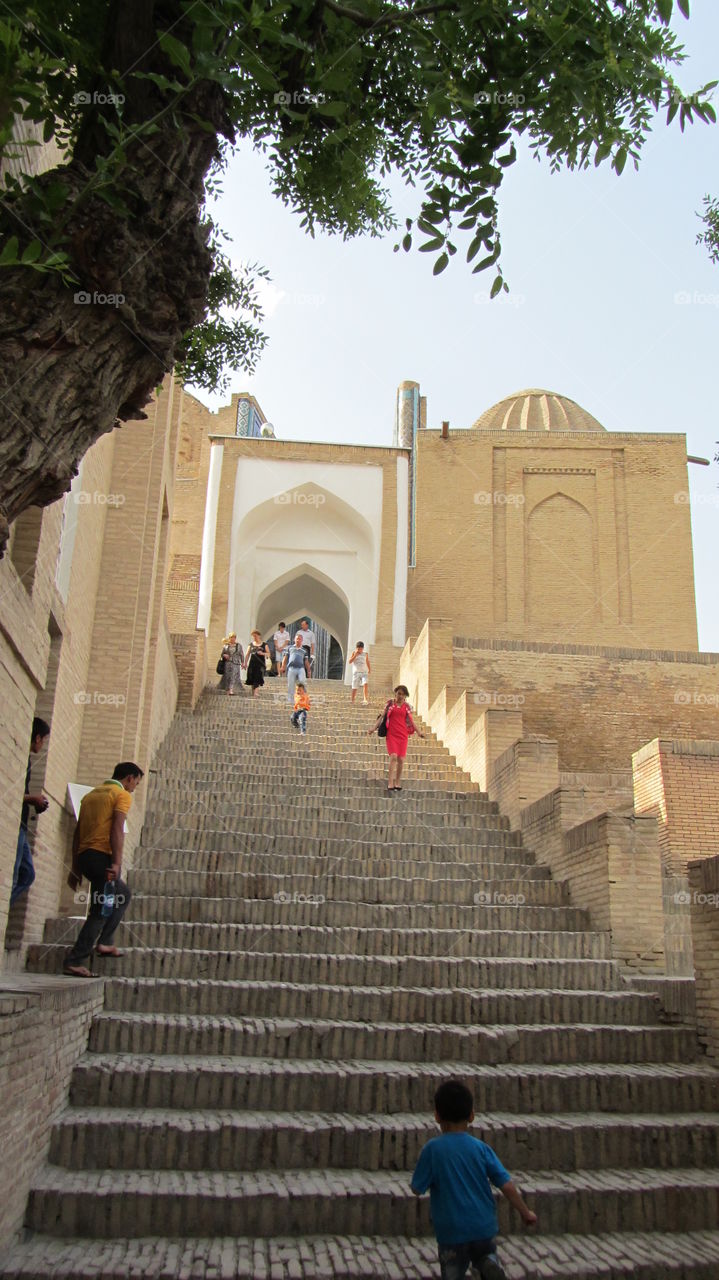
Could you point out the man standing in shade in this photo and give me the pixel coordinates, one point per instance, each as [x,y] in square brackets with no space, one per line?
[297,666]
[97,848]
[24,870]
[307,636]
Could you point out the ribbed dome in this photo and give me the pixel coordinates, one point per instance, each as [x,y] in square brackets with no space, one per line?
[537,410]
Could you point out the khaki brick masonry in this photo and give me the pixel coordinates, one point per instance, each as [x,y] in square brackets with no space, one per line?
[44,1024]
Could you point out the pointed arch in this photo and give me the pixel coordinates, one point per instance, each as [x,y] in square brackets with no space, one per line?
[561,569]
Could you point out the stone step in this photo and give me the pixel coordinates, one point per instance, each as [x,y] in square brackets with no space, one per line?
[300,760]
[227,1141]
[423,847]
[431,806]
[419,982]
[169,787]
[184,788]
[359,1088]
[641,1255]
[339,837]
[131,1203]
[348,941]
[295,908]
[265,998]
[134,1024]
[515,893]
[503,863]
[392,815]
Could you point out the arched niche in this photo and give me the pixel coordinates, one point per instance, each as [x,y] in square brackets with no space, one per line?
[561,573]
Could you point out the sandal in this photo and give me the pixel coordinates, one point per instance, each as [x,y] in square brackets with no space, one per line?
[76,971]
[114,952]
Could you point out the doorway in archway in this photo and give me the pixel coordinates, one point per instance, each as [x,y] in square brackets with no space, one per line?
[329,662]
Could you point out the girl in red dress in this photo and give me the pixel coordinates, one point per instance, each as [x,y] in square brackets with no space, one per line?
[399,727]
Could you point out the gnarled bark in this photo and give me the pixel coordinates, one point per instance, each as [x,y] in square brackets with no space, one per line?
[72,369]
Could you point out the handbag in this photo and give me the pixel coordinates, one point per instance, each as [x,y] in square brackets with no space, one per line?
[382,730]
[220,668]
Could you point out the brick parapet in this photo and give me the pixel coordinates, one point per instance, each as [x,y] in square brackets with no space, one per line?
[703,876]
[44,1025]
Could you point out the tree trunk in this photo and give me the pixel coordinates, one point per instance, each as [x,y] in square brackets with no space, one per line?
[71,369]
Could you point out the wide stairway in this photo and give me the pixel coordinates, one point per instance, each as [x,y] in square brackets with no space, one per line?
[307,957]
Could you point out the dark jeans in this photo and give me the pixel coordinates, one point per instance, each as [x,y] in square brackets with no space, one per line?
[454,1259]
[98,928]
[24,870]
[299,719]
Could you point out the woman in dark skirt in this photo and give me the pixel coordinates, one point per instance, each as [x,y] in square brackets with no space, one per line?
[255,662]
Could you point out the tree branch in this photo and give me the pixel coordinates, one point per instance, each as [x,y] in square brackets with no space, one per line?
[388,19]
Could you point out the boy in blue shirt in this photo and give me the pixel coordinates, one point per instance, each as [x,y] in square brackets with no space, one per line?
[457,1170]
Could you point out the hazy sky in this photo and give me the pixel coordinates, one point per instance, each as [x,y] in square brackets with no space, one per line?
[612,303]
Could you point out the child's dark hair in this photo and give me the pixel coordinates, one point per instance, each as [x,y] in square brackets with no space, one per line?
[453,1102]
[359,644]
[401,688]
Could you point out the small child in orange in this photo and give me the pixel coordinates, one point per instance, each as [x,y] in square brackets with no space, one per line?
[302,706]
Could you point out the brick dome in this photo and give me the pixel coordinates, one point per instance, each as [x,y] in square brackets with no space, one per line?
[537,410]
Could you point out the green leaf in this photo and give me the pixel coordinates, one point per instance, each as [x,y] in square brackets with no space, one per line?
[620,159]
[407,242]
[32,253]
[440,264]
[9,253]
[664,8]
[176,52]
[496,286]
[430,246]
[683,6]
[331,108]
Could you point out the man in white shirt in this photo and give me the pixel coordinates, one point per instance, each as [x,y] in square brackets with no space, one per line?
[359,663]
[281,640]
[308,639]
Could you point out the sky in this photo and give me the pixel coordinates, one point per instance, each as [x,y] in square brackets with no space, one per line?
[611,303]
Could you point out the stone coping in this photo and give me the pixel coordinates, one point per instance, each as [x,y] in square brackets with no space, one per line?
[588,650]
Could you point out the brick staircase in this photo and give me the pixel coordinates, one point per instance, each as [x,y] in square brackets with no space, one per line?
[306,956]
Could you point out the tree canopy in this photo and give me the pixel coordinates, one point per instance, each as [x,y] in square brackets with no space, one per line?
[145,99]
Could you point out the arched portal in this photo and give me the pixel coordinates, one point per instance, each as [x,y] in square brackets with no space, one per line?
[303,550]
[305,592]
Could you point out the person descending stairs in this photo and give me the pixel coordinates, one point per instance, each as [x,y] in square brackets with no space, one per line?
[307,958]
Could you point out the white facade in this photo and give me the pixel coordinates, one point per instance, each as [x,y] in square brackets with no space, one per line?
[305,539]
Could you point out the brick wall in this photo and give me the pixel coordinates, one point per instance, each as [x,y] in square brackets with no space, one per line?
[600,705]
[704,891]
[678,781]
[43,1032]
[547,535]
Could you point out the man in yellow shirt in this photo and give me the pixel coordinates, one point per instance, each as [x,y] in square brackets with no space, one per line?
[97,855]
